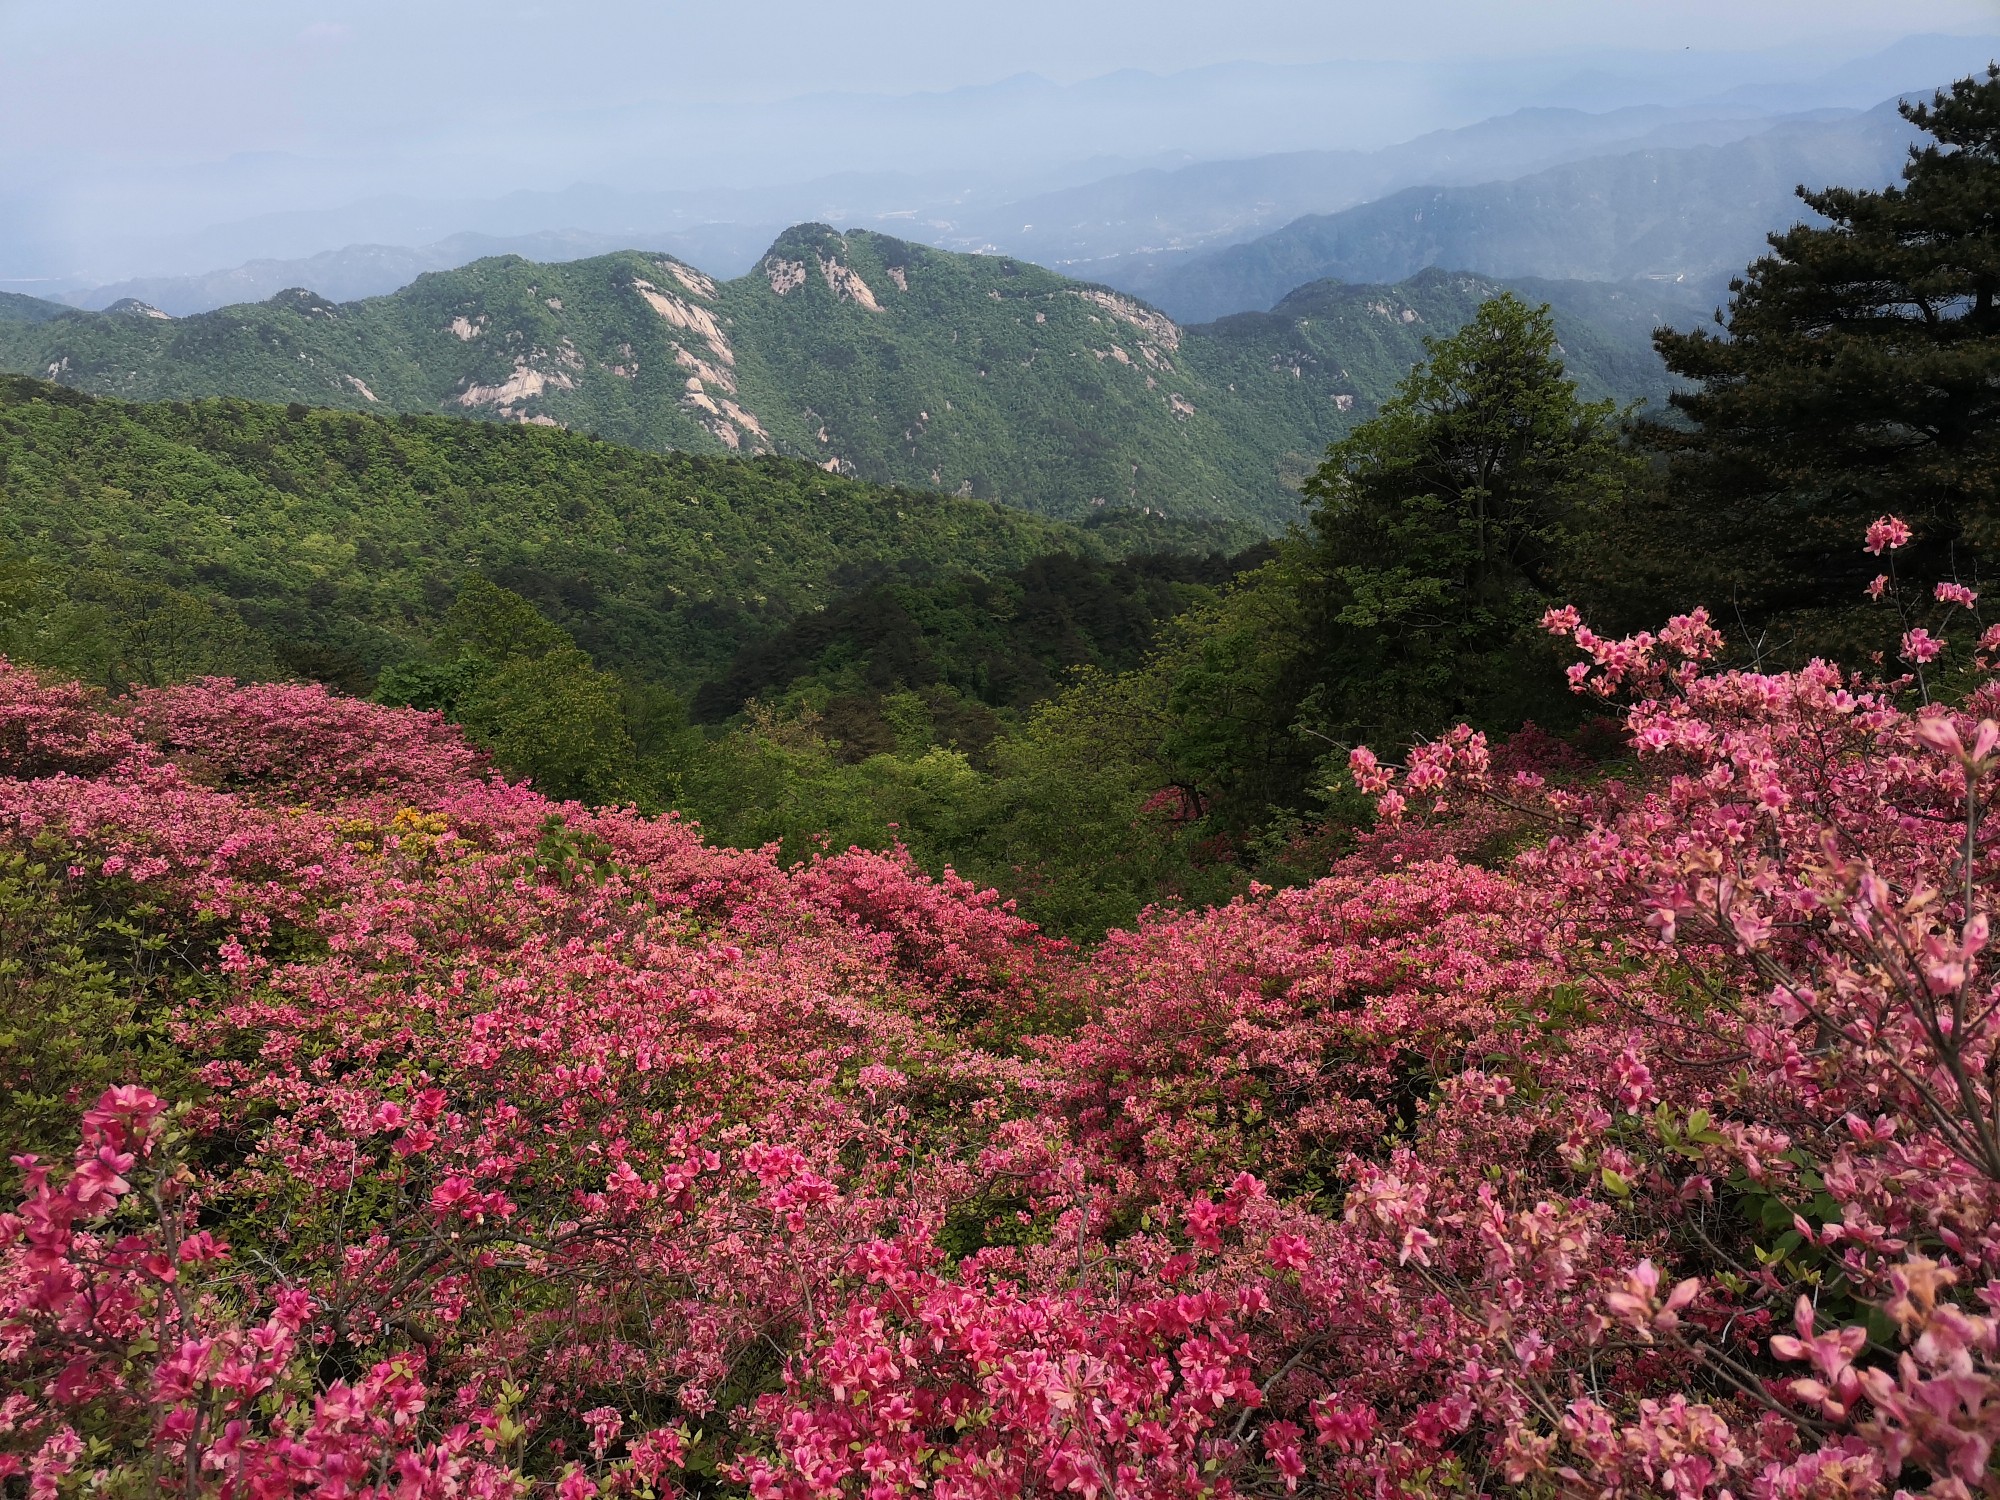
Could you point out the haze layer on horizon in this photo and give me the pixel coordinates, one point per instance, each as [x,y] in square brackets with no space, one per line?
[131,128]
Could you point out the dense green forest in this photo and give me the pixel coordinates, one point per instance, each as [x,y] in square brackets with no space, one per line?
[1076,715]
[1000,643]
[327,542]
[976,375]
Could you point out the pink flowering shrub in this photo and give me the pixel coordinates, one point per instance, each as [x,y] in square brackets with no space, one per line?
[964,953]
[1285,1030]
[300,741]
[515,1147]
[1921,643]
[47,729]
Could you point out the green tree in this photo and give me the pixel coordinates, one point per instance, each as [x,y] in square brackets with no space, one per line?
[1858,372]
[1210,717]
[557,720]
[776,780]
[1235,675]
[527,693]
[493,623]
[1082,821]
[118,631]
[1443,529]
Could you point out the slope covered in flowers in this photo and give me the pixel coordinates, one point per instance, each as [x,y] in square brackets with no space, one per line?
[385,1128]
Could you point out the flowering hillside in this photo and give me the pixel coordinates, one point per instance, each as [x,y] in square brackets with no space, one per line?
[385,1128]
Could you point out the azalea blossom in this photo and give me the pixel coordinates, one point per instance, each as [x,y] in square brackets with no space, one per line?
[1887,534]
[1919,646]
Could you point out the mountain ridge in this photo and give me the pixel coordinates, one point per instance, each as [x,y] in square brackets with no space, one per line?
[1214,203]
[1068,226]
[881,358]
[773,161]
[15,307]
[1697,213]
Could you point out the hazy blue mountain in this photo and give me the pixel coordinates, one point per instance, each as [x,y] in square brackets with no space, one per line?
[1913,64]
[1693,214]
[1068,228]
[1225,201]
[933,165]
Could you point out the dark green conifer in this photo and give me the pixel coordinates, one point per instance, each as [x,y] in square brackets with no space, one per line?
[1857,372]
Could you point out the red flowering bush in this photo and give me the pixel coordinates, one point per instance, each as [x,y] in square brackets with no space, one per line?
[513,1146]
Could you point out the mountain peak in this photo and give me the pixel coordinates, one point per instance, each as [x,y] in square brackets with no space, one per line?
[809,253]
[301,300]
[806,240]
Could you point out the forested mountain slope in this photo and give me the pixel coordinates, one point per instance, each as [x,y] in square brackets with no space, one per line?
[158,541]
[1322,359]
[869,356]
[982,376]
[15,308]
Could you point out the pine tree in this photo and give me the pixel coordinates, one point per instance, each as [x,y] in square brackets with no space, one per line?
[1858,373]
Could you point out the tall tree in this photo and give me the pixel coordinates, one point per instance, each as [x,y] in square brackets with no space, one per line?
[524,690]
[1857,372]
[1443,528]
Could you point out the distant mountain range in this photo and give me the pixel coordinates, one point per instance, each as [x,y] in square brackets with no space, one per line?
[1205,204]
[891,361]
[1136,229]
[1066,226]
[1695,215]
[946,166]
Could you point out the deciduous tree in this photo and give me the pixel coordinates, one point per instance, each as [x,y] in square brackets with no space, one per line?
[1442,529]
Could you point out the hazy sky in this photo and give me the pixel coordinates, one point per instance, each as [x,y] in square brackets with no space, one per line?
[248,75]
[124,118]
